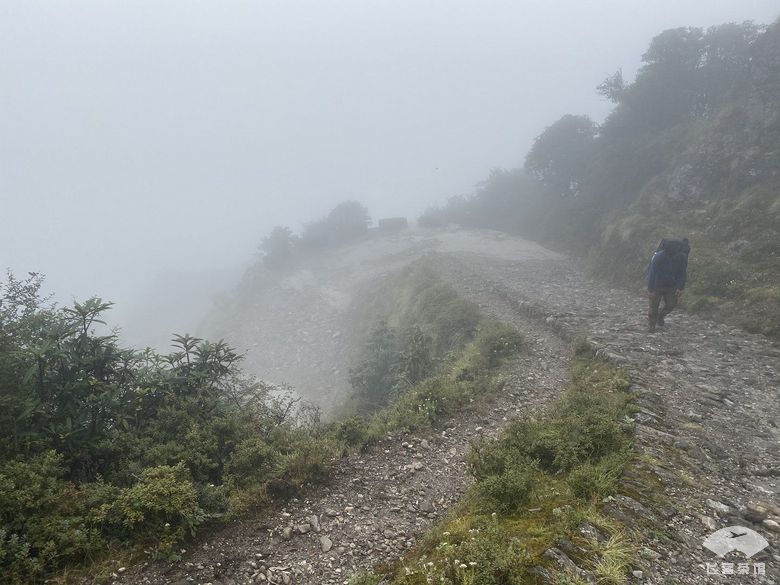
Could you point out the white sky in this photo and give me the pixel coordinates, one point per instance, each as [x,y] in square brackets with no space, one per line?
[141,136]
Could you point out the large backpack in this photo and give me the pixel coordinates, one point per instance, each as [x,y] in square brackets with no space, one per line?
[673,247]
[675,256]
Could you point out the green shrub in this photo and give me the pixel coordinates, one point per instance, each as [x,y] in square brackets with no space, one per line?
[557,445]
[106,447]
[487,555]
[17,563]
[510,490]
[597,480]
[353,432]
[440,311]
[498,341]
[374,376]
[253,462]
[366,579]
[162,506]
[491,557]
[47,520]
[586,436]
[306,462]
[714,278]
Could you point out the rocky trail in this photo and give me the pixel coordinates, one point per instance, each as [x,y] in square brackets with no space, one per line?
[708,449]
[707,428]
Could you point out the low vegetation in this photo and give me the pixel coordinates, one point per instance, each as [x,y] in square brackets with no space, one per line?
[346,223]
[539,486]
[103,447]
[406,325]
[429,353]
[470,375]
[108,451]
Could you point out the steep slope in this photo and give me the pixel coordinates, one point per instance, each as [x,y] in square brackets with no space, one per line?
[297,325]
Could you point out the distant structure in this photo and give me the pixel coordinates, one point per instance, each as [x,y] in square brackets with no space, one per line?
[392,225]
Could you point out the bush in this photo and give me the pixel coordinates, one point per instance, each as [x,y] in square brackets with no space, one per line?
[253,462]
[45,519]
[353,432]
[104,446]
[498,341]
[346,222]
[162,506]
[510,490]
[596,480]
[586,436]
[17,563]
[306,460]
[492,557]
[279,247]
[715,279]
[375,375]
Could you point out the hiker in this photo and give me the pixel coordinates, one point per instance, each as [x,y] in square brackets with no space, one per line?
[666,276]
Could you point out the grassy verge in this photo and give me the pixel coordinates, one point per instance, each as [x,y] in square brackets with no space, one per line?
[469,375]
[538,488]
[424,353]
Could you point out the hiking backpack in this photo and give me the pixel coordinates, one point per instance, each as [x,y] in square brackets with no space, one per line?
[674,261]
[673,247]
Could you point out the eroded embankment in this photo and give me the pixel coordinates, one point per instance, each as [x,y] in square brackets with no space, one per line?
[296,325]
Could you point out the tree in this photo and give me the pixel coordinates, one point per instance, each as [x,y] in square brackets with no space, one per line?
[346,222]
[613,87]
[765,65]
[279,247]
[725,67]
[374,376]
[415,360]
[561,155]
[350,219]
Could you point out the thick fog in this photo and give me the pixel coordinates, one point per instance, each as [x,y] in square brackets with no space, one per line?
[146,147]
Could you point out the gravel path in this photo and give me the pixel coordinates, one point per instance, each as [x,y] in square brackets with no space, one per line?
[707,426]
[707,441]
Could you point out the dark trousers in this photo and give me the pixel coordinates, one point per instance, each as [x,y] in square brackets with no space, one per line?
[670,302]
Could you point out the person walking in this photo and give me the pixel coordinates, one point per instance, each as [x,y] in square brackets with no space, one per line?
[667,274]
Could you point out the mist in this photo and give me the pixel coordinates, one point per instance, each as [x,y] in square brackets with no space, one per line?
[146,148]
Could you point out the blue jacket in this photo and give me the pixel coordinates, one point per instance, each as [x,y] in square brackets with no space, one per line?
[667,273]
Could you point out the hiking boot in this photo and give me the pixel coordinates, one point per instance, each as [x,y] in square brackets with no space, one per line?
[651,329]
[660,320]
